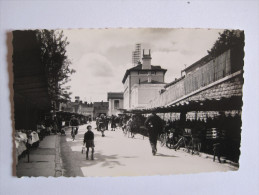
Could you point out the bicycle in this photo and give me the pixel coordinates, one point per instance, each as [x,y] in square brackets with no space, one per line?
[171,139]
[73,131]
[194,145]
[181,142]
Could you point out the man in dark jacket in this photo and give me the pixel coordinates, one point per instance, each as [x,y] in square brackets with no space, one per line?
[74,123]
[89,141]
[154,124]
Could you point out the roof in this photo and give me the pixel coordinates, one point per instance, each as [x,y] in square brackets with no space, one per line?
[139,67]
[222,104]
[101,104]
[115,95]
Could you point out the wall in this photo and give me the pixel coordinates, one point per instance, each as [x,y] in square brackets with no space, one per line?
[135,77]
[142,94]
[112,110]
[172,93]
[126,94]
[130,94]
[208,73]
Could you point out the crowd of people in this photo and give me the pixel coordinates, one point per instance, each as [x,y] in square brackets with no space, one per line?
[153,126]
[228,127]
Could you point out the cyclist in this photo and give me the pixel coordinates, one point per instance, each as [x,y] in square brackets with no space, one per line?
[74,124]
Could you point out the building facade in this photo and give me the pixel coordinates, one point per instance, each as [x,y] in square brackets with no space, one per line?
[115,103]
[101,108]
[142,83]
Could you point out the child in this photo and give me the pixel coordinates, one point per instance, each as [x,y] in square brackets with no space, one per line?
[89,141]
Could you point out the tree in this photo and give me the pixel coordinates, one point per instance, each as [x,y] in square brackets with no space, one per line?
[233,40]
[227,40]
[57,65]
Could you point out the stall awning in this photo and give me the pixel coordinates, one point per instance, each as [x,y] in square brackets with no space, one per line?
[220,104]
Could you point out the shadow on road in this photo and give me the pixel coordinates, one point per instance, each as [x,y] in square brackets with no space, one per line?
[106,160]
[163,155]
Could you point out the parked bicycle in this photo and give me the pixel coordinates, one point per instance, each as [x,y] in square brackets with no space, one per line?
[189,143]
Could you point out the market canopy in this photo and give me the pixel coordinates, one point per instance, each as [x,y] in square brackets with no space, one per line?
[220,104]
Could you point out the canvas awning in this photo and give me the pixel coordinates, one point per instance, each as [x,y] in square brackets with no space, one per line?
[221,104]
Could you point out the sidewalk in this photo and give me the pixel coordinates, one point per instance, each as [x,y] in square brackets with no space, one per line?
[44,160]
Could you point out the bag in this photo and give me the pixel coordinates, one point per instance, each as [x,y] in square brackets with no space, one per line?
[83,149]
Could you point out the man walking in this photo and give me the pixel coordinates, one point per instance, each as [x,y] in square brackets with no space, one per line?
[74,123]
[154,124]
[89,141]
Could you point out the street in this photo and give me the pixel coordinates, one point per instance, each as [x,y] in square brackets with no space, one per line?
[118,155]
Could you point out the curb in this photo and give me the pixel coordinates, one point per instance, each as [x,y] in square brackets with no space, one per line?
[58,161]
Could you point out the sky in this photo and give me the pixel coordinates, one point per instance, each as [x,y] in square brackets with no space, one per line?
[102,56]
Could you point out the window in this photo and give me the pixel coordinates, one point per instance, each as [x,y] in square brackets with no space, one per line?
[116,103]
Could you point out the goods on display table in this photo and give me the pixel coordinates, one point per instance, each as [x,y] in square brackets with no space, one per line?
[23,140]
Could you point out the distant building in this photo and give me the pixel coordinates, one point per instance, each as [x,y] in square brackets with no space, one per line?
[88,109]
[101,108]
[70,106]
[115,103]
[142,83]
[78,107]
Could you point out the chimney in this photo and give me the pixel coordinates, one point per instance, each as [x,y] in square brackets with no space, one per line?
[146,60]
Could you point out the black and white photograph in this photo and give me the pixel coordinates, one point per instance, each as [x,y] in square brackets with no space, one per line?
[127,101]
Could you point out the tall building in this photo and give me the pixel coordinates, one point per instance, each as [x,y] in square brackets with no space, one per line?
[142,83]
[136,55]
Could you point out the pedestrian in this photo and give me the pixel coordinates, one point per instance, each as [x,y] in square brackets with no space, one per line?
[101,124]
[97,123]
[106,119]
[74,123]
[154,125]
[89,141]
[113,123]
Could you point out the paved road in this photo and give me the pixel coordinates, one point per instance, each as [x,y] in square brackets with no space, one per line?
[117,155]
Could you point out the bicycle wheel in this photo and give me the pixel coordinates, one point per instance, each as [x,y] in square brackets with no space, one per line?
[170,143]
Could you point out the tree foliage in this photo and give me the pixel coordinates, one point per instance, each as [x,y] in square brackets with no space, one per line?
[57,65]
[227,40]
